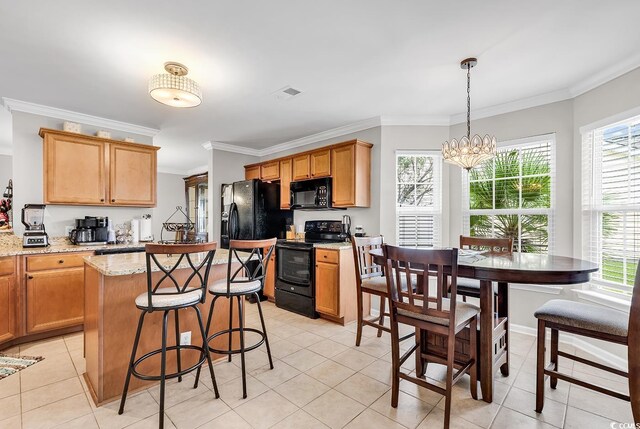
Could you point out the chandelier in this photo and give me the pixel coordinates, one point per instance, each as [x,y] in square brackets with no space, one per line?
[174,88]
[470,151]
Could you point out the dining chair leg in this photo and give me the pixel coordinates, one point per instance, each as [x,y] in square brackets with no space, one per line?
[241,326]
[230,325]
[554,356]
[178,362]
[264,331]
[540,367]
[395,363]
[451,348]
[163,367]
[473,352]
[205,348]
[134,350]
[383,302]
[206,337]
[360,316]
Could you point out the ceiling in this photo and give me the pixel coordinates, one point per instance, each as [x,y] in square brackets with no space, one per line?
[352,60]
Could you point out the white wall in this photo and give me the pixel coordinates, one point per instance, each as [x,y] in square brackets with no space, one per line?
[170,195]
[28,181]
[368,217]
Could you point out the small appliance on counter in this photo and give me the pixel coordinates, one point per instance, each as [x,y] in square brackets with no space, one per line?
[359,231]
[90,231]
[33,219]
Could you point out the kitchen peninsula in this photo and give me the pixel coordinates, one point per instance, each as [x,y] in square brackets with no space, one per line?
[112,282]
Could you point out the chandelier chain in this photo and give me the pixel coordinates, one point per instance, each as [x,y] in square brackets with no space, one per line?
[469,101]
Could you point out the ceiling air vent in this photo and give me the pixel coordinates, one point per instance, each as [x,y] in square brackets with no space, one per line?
[286,93]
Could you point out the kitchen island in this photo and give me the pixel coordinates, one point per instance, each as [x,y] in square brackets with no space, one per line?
[112,282]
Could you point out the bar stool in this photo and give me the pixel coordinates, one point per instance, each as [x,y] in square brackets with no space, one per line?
[471,287]
[241,282]
[166,295]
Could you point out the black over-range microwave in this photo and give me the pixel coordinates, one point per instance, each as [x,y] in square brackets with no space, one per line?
[311,194]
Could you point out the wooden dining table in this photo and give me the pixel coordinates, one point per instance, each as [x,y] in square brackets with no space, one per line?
[503,268]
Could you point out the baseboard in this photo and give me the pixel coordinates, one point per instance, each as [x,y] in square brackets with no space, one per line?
[374,312]
[578,343]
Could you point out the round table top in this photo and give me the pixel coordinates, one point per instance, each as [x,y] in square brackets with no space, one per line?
[517,267]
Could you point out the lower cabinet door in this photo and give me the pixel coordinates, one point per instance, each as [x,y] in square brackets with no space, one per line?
[7,308]
[328,288]
[270,279]
[55,299]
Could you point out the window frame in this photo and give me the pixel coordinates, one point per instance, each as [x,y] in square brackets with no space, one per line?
[436,209]
[520,143]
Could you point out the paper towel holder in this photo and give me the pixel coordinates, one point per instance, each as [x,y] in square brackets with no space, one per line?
[146,234]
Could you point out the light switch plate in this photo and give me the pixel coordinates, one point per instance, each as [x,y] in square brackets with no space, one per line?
[185,338]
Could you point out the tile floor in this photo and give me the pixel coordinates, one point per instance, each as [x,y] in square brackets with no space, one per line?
[320,380]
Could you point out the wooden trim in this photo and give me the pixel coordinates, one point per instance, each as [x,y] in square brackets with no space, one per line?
[44,131]
[310,151]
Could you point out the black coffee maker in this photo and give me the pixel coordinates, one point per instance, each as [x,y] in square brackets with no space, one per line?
[91,230]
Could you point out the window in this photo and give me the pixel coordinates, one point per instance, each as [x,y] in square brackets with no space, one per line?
[512,195]
[418,199]
[611,203]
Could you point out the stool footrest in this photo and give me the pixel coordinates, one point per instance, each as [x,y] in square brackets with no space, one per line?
[148,377]
[236,351]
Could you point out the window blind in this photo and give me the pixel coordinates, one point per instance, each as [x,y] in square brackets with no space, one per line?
[418,199]
[611,203]
[512,195]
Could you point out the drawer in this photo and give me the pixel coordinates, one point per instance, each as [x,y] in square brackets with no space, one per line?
[330,256]
[6,266]
[55,261]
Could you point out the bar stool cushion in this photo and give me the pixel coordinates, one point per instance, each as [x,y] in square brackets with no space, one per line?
[167,297]
[379,283]
[239,286]
[464,312]
[584,316]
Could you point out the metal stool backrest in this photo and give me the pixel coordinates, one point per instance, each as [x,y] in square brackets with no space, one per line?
[492,244]
[416,265]
[173,257]
[257,250]
[365,267]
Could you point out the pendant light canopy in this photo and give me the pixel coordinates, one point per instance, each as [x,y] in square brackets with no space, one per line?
[174,88]
[470,151]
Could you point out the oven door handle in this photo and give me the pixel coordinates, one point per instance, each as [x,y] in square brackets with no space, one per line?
[298,248]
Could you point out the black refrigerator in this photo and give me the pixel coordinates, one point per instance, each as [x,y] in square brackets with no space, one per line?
[251,211]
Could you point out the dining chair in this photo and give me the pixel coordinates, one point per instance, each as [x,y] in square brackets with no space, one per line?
[427,309]
[590,321]
[471,287]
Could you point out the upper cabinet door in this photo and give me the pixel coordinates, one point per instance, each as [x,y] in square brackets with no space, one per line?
[252,172]
[270,170]
[300,167]
[132,175]
[285,183]
[321,163]
[351,173]
[74,171]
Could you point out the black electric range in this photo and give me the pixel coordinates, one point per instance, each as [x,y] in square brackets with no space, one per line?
[295,266]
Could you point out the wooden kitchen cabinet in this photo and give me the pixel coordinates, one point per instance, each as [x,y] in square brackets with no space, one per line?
[300,165]
[252,172]
[270,170]
[285,183]
[320,163]
[351,173]
[132,175]
[54,291]
[335,285]
[8,300]
[87,170]
[270,280]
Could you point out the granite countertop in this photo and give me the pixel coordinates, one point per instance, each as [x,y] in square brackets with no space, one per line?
[333,246]
[11,245]
[135,263]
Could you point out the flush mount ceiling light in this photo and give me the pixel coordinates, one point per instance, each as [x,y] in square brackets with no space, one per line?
[174,88]
[470,151]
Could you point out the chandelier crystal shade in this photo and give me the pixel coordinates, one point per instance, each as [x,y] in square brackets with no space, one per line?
[174,88]
[470,151]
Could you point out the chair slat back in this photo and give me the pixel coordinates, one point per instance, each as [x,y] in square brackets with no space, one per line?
[256,250]
[413,267]
[492,244]
[365,267]
[168,258]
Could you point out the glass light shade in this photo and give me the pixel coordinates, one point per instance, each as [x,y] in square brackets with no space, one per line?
[469,153]
[175,91]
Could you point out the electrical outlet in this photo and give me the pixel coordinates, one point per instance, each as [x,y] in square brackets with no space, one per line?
[185,338]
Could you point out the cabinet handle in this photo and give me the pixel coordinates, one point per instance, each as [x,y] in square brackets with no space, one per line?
[61,261]
[113,201]
[102,200]
[29,277]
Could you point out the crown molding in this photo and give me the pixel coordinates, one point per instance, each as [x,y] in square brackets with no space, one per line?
[67,115]
[616,70]
[211,145]
[512,106]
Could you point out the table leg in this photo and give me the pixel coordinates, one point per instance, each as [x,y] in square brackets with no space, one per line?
[503,311]
[486,340]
